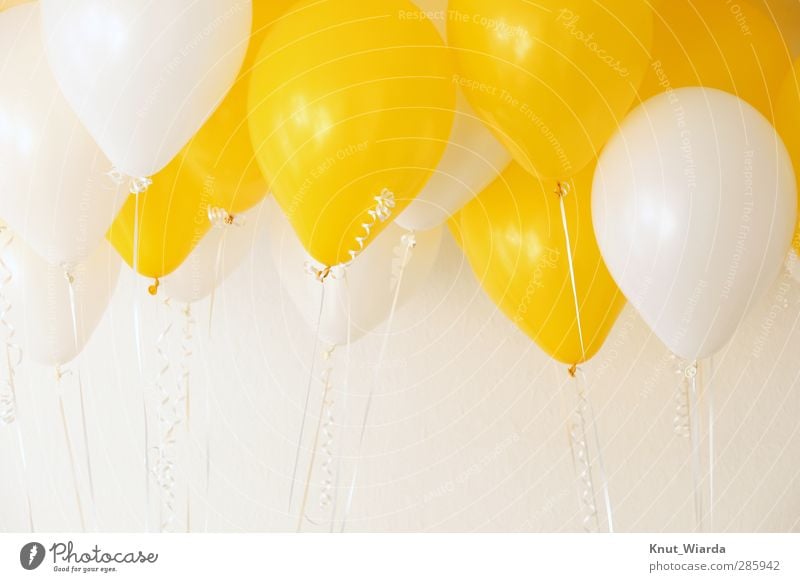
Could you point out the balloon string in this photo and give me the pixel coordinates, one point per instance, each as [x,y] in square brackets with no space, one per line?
[563,190]
[70,277]
[694,434]
[86,447]
[217,267]
[219,218]
[184,385]
[584,404]
[409,242]
[216,219]
[8,395]
[326,381]
[162,470]
[680,422]
[24,461]
[70,450]
[345,392]
[321,277]
[326,497]
[600,462]
[137,187]
[328,425]
[170,411]
[582,461]
[208,455]
[709,382]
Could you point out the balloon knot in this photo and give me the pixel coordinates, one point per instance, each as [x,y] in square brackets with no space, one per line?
[116,176]
[323,274]
[319,274]
[61,372]
[153,289]
[562,189]
[573,370]
[139,185]
[220,217]
[409,239]
[68,274]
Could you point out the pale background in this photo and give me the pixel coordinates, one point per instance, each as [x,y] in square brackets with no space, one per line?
[467,430]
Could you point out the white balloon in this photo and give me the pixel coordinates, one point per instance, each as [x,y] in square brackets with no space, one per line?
[41,305]
[215,257]
[144,76]
[472,160]
[366,293]
[694,207]
[54,191]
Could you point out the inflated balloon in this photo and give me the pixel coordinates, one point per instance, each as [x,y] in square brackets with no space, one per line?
[731,46]
[54,191]
[42,304]
[221,158]
[365,292]
[472,160]
[214,178]
[221,155]
[143,77]
[351,106]
[787,122]
[513,237]
[171,216]
[215,257]
[552,79]
[694,205]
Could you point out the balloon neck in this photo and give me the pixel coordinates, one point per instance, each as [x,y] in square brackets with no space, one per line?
[322,274]
[572,370]
[61,372]
[153,289]
[69,275]
[562,189]
[139,185]
[220,217]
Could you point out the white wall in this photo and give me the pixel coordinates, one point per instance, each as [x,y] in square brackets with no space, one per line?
[467,431]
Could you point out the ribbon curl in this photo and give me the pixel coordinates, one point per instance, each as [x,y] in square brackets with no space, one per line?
[8,393]
[170,410]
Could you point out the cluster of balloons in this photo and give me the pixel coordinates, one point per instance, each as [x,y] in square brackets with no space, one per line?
[583,153]
[92,92]
[658,118]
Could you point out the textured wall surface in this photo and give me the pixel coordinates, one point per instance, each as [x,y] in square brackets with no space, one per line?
[467,430]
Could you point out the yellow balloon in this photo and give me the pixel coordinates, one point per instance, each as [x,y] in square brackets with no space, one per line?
[173,217]
[513,237]
[351,105]
[787,122]
[221,155]
[216,168]
[551,78]
[731,46]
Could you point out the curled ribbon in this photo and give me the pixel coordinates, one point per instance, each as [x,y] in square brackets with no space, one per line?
[8,395]
[170,415]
